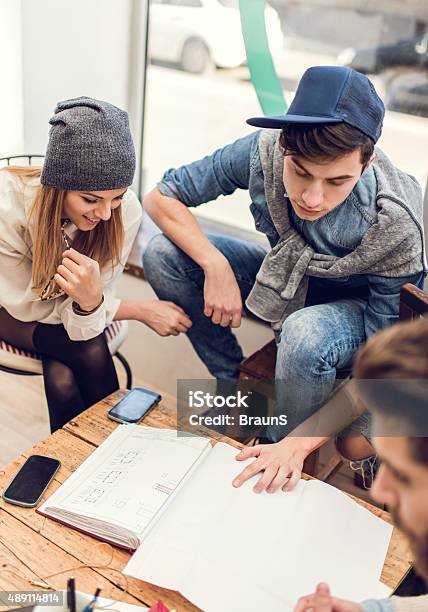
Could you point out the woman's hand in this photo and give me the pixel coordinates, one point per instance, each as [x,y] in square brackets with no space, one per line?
[165,318]
[79,276]
[322,601]
[222,295]
[281,464]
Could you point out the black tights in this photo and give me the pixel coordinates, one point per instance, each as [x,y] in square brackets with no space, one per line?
[76,374]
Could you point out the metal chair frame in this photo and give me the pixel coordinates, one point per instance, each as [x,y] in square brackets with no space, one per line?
[117,354]
[27,157]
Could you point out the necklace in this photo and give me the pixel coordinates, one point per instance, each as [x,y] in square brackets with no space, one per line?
[51,290]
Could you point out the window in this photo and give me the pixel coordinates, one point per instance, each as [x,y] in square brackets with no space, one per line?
[230,3]
[200,93]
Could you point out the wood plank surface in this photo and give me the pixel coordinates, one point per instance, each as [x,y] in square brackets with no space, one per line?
[33,547]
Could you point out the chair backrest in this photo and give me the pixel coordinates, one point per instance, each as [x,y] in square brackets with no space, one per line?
[19,159]
[413,302]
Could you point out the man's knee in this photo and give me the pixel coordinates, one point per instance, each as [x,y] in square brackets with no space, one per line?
[159,253]
[302,344]
[300,339]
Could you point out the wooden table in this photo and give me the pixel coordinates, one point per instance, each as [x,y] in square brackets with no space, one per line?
[33,547]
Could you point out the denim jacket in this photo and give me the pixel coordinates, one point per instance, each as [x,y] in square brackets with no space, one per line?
[238,166]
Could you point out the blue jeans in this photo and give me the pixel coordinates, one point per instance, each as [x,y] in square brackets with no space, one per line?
[314,340]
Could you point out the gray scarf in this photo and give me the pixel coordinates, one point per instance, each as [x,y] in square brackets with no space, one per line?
[392,247]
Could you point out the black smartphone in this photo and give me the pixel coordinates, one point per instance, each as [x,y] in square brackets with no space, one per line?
[29,484]
[134,406]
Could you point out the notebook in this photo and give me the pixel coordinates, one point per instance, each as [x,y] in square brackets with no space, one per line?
[222,548]
[117,493]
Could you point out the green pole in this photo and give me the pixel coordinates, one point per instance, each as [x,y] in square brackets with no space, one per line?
[259,59]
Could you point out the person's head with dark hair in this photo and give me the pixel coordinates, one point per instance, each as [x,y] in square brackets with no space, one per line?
[327,136]
[392,379]
[326,143]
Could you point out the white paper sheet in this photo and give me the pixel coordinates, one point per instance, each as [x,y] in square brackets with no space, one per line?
[383,591]
[214,541]
[338,542]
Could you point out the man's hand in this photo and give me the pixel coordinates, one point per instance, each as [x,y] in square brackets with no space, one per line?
[79,276]
[281,464]
[165,318]
[222,296]
[322,601]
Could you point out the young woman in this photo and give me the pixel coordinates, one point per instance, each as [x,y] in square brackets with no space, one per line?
[66,231]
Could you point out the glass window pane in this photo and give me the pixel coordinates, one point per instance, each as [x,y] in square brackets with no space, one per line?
[230,3]
[200,92]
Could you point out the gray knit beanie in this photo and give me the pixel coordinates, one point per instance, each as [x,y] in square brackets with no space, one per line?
[90,147]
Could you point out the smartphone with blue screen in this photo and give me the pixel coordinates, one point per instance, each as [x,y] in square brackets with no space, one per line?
[134,406]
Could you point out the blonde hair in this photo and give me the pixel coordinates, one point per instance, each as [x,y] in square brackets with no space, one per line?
[103,243]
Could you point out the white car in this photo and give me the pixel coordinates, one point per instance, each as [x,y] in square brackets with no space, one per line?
[200,33]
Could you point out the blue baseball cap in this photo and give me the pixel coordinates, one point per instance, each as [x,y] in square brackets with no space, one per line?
[332,94]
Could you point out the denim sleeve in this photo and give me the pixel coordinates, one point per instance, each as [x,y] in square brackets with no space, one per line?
[377,605]
[384,301]
[221,173]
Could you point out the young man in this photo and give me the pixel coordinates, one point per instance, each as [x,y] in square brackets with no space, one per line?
[344,226]
[398,397]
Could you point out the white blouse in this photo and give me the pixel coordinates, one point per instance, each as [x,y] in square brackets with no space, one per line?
[16,295]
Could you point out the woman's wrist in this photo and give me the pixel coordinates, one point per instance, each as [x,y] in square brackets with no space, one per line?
[84,310]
